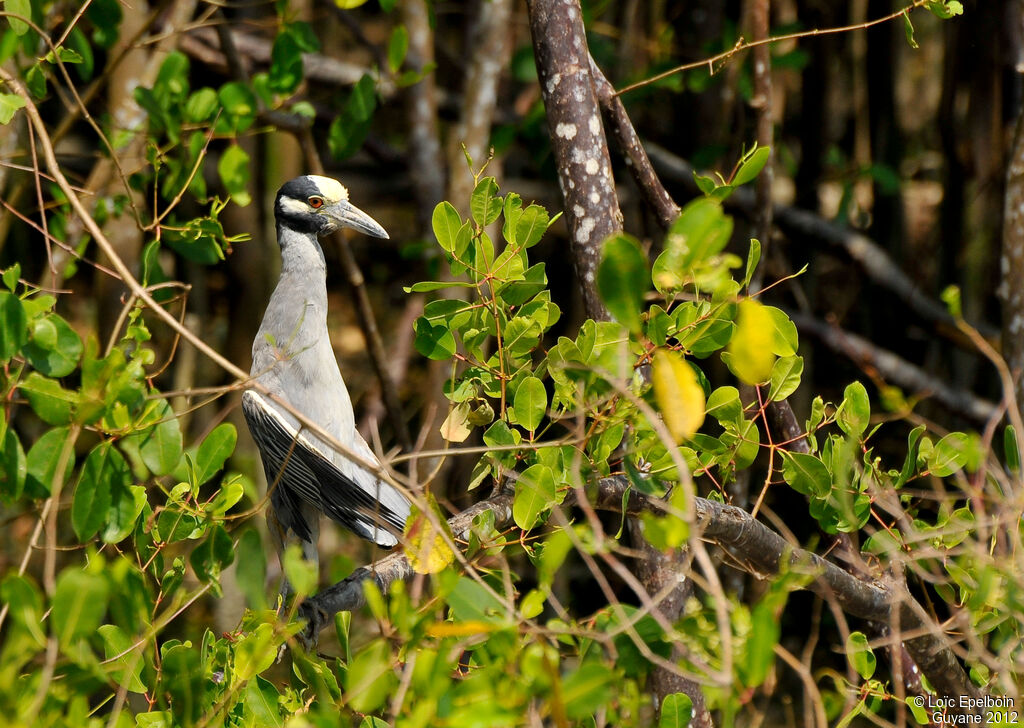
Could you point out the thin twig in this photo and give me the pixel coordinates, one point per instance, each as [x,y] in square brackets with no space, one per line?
[743,45]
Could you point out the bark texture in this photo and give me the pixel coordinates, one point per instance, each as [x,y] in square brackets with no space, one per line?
[577,135]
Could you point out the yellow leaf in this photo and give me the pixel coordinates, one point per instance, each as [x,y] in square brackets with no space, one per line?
[348,4]
[459,629]
[678,393]
[455,427]
[751,346]
[425,546]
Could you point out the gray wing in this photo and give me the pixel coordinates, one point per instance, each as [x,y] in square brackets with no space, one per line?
[298,469]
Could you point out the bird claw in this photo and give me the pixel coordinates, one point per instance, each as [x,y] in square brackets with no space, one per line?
[316,619]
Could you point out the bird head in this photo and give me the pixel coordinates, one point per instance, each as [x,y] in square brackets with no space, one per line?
[319,205]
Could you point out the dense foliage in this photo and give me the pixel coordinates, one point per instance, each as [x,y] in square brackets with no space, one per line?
[138,525]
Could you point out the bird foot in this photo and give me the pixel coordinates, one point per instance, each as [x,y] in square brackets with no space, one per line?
[316,619]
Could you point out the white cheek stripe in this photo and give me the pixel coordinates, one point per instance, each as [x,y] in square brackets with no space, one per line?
[332,189]
[290,204]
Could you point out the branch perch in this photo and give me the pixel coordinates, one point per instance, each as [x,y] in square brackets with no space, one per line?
[756,548]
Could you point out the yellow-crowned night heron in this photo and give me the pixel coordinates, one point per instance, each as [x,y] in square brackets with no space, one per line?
[292,358]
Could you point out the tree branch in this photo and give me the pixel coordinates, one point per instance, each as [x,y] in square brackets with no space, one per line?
[797,223]
[756,549]
[896,369]
[204,44]
[577,137]
[637,161]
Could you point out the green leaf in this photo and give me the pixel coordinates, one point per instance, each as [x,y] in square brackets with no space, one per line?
[127,504]
[215,449]
[370,678]
[79,603]
[760,647]
[21,9]
[185,681]
[239,104]
[535,493]
[233,168]
[532,604]
[753,258]
[908,30]
[13,467]
[43,457]
[531,226]
[806,474]
[302,575]
[676,711]
[859,652]
[53,348]
[427,286]
[255,652]
[49,400]
[398,46]
[231,491]
[211,556]
[484,203]
[945,9]
[622,279]
[471,602]
[11,276]
[855,411]
[1010,449]
[701,231]
[251,571]
[530,403]
[349,128]
[751,165]
[105,17]
[304,35]
[910,461]
[35,81]
[171,84]
[201,105]
[949,454]
[25,602]
[785,378]
[10,103]
[446,223]
[725,406]
[534,281]
[123,663]
[786,339]
[917,709]
[586,690]
[501,435]
[285,64]
[64,55]
[13,325]
[161,446]
[104,470]
[262,701]
[433,341]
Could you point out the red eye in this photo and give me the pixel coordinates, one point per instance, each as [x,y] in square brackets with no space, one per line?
[316,202]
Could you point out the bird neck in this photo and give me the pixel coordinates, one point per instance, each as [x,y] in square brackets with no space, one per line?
[298,305]
[301,255]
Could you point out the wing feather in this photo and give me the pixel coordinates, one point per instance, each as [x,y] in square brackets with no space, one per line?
[300,469]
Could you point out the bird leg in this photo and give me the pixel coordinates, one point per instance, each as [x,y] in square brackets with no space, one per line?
[282,537]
